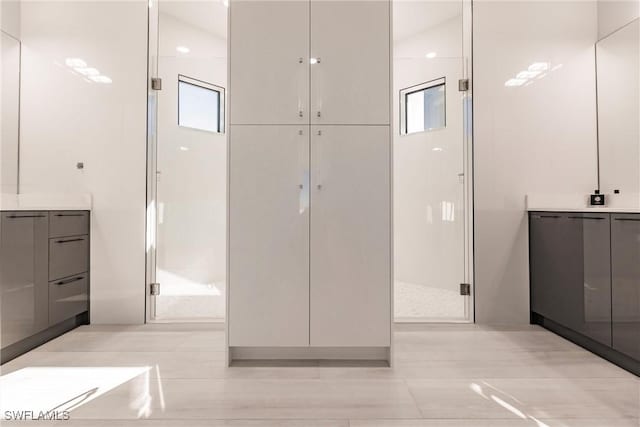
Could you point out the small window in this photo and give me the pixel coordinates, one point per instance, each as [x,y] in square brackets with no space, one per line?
[423,107]
[200,105]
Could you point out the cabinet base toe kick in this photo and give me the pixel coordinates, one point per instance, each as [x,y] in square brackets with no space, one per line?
[606,352]
[21,347]
[380,356]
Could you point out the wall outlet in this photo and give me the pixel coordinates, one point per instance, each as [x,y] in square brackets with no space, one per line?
[597,199]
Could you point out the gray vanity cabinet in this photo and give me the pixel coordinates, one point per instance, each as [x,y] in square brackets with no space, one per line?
[593,257]
[570,271]
[625,274]
[23,274]
[555,268]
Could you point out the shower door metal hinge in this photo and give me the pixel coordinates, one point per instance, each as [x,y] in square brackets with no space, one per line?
[155,289]
[465,289]
[463,85]
[156,83]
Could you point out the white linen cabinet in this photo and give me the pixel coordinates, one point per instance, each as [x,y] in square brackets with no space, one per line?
[310,256]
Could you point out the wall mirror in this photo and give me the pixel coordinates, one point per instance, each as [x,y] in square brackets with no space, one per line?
[618,100]
[9,119]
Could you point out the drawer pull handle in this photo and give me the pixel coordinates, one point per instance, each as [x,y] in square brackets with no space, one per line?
[70,240]
[64,282]
[548,216]
[586,217]
[627,219]
[77,214]
[27,216]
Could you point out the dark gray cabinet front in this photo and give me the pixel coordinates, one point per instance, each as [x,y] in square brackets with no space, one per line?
[593,259]
[570,271]
[625,274]
[23,274]
[555,282]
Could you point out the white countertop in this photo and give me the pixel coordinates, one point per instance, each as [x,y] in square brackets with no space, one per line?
[45,202]
[616,203]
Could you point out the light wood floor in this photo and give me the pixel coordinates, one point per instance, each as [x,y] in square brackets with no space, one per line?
[444,375]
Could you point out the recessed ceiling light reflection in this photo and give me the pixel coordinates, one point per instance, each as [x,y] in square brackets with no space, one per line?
[75,62]
[101,79]
[87,71]
[431,55]
[183,49]
[437,149]
[527,74]
[515,82]
[183,148]
[539,66]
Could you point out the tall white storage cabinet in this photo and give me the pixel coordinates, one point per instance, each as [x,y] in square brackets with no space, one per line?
[309,180]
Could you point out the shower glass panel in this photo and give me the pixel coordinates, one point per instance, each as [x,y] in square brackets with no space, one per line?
[188,161]
[431,189]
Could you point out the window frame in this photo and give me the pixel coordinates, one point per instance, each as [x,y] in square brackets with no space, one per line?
[209,86]
[404,95]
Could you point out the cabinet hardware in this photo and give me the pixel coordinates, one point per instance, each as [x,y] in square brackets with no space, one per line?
[627,219]
[155,289]
[156,83]
[319,114]
[314,61]
[26,216]
[300,60]
[463,85]
[548,216]
[300,114]
[586,217]
[301,186]
[64,282]
[465,289]
[300,132]
[78,214]
[319,186]
[319,133]
[69,240]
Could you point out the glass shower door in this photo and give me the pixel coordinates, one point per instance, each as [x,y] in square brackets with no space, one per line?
[431,163]
[189,162]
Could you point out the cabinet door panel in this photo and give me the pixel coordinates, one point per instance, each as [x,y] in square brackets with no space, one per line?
[556,268]
[268,236]
[625,272]
[350,236]
[350,83]
[592,306]
[269,62]
[23,275]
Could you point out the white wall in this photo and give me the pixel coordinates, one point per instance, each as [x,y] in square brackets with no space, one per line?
[538,138]
[67,119]
[192,186]
[613,14]
[429,244]
[10,17]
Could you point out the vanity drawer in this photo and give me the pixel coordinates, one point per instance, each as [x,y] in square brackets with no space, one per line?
[68,256]
[68,297]
[68,223]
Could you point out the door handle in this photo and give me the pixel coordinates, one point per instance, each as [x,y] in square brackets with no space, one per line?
[74,279]
[70,240]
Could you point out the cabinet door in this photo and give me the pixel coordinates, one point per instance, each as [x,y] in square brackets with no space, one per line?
[625,272]
[556,263]
[23,275]
[591,305]
[268,236]
[269,62]
[350,83]
[350,236]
